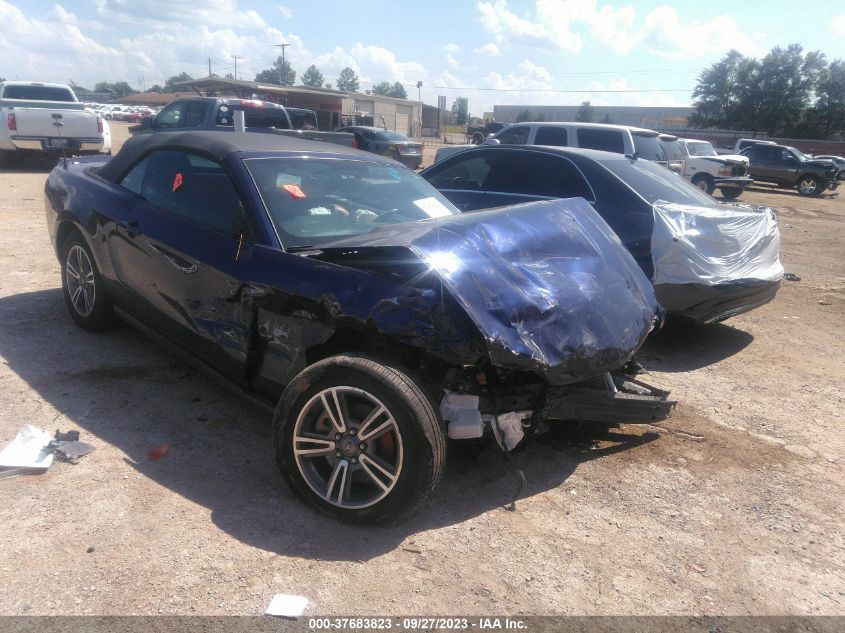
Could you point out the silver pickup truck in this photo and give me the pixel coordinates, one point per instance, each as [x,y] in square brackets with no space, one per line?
[47,118]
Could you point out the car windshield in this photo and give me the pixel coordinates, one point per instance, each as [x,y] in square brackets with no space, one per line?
[312,201]
[700,148]
[654,183]
[391,136]
[801,155]
[672,148]
[648,146]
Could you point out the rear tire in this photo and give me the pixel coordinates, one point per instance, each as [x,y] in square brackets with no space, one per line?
[705,183]
[730,193]
[82,286]
[357,439]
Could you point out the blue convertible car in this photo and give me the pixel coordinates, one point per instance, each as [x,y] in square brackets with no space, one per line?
[345,290]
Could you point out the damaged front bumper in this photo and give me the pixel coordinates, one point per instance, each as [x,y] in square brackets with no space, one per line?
[611,398]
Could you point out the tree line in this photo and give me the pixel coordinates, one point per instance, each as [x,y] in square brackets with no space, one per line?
[786,93]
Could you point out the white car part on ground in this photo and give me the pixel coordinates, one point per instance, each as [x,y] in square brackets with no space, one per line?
[712,245]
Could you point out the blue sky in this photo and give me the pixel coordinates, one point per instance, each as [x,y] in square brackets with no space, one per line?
[491,51]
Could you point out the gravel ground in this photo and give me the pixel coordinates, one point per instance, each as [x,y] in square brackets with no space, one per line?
[733,506]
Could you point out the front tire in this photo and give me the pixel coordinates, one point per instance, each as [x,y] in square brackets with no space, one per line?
[357,439]
[731,193]
[810,186]
[82,286]
[705,183]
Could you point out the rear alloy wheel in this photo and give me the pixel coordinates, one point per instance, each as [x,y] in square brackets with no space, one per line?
[730,193]
[810,186]
[358,439]
[82,286]
[705,183]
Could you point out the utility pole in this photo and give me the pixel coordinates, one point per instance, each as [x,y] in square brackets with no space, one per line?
[283,71]
[236,66]
[419,98]
[209,67]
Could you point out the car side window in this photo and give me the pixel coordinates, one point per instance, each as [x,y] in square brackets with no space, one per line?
[465,172]
[757,152]
[514,136]
[169,117]
[606,140]
[537,175]
[195,112]
[551,136]
[190,186]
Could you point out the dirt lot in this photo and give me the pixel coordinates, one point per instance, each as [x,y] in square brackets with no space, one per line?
[734,506]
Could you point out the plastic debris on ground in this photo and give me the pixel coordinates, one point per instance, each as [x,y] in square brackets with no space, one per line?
[29,449]
[285,605]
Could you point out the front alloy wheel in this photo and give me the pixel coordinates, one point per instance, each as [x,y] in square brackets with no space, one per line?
[809,186]
[348,447]
[357,438]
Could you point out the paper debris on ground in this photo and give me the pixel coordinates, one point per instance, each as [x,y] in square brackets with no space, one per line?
[29,449]
[286,605]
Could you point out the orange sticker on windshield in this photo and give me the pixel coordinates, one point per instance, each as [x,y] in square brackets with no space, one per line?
[294,190]
[177,181]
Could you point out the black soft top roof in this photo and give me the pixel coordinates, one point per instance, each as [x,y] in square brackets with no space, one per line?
[216,144]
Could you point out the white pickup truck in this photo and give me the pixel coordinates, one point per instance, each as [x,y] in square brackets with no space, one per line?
[707,170]
[42,117]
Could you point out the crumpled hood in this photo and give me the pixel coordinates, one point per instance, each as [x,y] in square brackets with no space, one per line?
[548,284]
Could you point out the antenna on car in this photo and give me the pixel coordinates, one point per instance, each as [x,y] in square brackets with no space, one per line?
[57,121]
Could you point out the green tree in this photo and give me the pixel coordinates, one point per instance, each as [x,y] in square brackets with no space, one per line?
[168,84]
[383,89]
[827,116]
[787,82]
[715,95]
[155,88]
[281,69]
[460,110]
[117,89]
[607,119]
[348,80]
[312,77]
[585,113]
[523,116]
[399,91]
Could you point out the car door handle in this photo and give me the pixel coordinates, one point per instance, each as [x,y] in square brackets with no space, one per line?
[130,226]
[179,263]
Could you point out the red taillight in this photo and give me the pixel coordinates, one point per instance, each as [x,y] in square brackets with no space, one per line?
[100,125]
[12,122]
[354,142]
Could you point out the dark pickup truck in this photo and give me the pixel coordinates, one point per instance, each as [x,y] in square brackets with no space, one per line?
[218,114]
[789,168]
[477,134]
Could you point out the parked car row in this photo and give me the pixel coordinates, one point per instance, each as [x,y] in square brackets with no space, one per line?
[381,312]
[695,160]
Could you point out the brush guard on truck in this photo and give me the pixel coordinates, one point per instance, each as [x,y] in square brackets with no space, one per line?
[610,398]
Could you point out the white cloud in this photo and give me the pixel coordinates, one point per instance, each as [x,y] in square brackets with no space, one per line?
[451,48]
[451,61]
[285,11]
[560,25]
[489,49]
[837,25]
[173,14]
